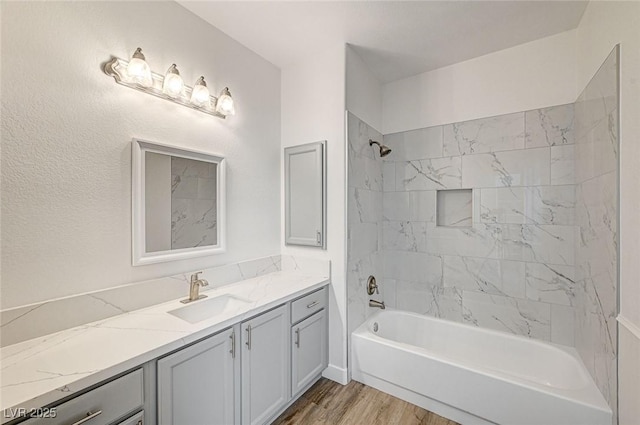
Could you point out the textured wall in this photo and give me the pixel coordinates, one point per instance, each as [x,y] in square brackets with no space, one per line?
[513,268]
[596,174]
[66,141]
[313,103]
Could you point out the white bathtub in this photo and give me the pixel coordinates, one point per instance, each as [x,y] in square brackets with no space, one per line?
[473,375]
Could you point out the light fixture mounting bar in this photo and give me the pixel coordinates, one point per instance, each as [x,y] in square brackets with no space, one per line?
[117,68]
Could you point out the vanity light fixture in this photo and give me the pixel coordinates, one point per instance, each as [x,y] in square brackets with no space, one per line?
[137,74]
[173,84]
[200,94]
[225,105]
[138,69]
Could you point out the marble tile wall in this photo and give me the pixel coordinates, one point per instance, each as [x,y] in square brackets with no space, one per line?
[539,257]
[32,321]
[596,257]
[511,266]
[193,203]
[364,220]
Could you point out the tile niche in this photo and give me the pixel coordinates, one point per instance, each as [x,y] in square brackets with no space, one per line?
[454,208]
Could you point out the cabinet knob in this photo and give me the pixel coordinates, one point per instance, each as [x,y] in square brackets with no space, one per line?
[248,337]
[298,337]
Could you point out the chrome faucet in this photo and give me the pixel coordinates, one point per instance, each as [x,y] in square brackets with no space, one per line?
[194,288]
[379,304]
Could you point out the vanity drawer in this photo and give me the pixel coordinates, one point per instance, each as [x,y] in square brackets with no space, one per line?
[309,304]
[105,404]
[137,419]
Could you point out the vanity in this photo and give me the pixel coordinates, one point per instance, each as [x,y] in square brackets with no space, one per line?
[241,355]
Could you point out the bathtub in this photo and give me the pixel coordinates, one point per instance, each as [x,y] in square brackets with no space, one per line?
[473,375]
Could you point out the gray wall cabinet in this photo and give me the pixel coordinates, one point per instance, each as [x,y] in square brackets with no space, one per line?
[305,193]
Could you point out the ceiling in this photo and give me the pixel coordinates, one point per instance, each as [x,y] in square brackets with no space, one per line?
[396,39]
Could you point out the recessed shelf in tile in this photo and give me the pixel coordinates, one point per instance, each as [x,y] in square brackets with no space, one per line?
[454,208]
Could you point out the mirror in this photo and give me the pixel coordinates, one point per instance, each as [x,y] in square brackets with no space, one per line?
[305,194]
[178,203]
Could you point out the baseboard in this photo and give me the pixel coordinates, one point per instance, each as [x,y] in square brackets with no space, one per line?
[631,327]
[336,374]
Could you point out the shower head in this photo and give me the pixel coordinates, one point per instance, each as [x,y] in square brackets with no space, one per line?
[384,150]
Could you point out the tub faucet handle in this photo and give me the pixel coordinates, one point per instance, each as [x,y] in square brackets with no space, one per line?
[372,286]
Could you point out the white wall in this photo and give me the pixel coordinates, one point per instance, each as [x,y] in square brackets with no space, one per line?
[313,105]
[363,91]
[67,130]
[603,25]
[529,76]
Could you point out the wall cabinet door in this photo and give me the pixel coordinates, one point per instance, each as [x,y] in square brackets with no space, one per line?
[308,350]
[265,365]
[200,384]
[305,194]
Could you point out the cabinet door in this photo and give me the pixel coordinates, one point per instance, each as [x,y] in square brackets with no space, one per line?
[308,350]
[198,384]
[305,191]
[265,365]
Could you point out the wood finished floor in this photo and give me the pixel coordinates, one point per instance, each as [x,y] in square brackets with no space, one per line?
[329,403]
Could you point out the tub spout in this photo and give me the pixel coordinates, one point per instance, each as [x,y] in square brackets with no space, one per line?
[374,303]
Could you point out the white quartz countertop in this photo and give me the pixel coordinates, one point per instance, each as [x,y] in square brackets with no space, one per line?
[42,370]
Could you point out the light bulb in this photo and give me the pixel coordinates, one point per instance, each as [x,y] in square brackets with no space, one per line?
[138,69]
[225,105]
[173,83]
[200,93]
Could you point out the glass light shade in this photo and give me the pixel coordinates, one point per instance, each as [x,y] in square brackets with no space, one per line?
[173,83]
[138,69]
[200,93]
[225,105]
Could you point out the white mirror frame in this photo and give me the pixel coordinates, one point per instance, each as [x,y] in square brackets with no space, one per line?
[140,256]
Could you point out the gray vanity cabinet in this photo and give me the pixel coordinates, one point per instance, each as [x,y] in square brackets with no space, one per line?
[104,405]
[137,419]
[265,365]
[200,384]
[309,345]
[246,374]
[308,351]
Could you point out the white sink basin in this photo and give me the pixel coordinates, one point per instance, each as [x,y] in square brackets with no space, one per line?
[207,308]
